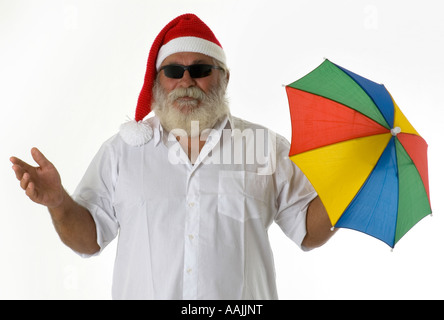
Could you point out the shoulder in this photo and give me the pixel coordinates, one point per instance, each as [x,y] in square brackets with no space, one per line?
[131,137]
[136,133]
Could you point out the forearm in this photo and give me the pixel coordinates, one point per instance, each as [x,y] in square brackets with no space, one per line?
[318,225]
[75,226]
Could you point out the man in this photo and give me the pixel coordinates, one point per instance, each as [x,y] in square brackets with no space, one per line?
[190,192]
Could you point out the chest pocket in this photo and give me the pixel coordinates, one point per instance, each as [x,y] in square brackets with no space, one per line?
[244,195]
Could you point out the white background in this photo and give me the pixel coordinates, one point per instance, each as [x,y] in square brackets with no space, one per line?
[71,72]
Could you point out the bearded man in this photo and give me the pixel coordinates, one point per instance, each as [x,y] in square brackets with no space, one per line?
[187,227]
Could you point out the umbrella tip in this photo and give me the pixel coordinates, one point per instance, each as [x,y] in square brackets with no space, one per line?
[395,131]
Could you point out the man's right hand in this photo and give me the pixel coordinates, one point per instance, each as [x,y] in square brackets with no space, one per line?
[42,184]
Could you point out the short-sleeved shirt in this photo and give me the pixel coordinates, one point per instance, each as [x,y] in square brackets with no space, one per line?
[196,230]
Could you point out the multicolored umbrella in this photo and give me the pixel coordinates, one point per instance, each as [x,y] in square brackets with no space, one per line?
[363,157]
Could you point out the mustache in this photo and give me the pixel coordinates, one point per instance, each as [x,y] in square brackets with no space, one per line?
[192,92]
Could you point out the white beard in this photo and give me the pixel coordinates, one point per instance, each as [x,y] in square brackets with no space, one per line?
[206,109]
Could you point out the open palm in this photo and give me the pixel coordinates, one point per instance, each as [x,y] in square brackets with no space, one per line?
[42,184]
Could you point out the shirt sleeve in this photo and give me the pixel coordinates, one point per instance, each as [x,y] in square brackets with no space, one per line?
[96,191]
[294,195]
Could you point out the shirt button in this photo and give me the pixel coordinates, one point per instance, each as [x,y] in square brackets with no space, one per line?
[191,204]
[191,237]
[189,270]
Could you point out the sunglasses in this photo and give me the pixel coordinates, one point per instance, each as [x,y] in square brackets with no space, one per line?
[176,71]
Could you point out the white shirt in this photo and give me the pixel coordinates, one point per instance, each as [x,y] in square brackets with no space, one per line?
[196,231]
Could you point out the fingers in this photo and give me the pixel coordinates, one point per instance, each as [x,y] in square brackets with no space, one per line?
[19,164]
[20,167]
[22,172]
[29,186]
[18,171]
[40,158]
[31,192]
[25,181]
[25,173]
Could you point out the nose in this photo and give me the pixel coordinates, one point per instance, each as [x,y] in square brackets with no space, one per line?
[186,81]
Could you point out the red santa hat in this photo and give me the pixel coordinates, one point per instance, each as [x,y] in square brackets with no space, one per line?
[186,33]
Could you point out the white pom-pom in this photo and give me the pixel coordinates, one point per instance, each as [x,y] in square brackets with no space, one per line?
[136,133]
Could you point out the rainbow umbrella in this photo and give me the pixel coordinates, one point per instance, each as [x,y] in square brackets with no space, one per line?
[363,157]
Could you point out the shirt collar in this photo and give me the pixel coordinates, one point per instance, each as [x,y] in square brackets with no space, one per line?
[157,129]
[230,122]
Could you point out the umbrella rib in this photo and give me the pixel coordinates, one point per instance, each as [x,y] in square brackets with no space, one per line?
[368,94]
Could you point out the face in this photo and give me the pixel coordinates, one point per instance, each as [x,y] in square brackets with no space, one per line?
[180,101]
[205,84]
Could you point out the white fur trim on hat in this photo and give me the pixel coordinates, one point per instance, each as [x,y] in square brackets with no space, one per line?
[136,133]
[190,44]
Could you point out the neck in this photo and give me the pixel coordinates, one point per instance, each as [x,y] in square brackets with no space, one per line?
[192,146]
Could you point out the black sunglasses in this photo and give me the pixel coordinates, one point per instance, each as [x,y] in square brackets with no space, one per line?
[176,71]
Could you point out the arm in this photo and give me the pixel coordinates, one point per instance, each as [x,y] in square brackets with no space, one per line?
[318,225]
[42,184]
[75,225]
